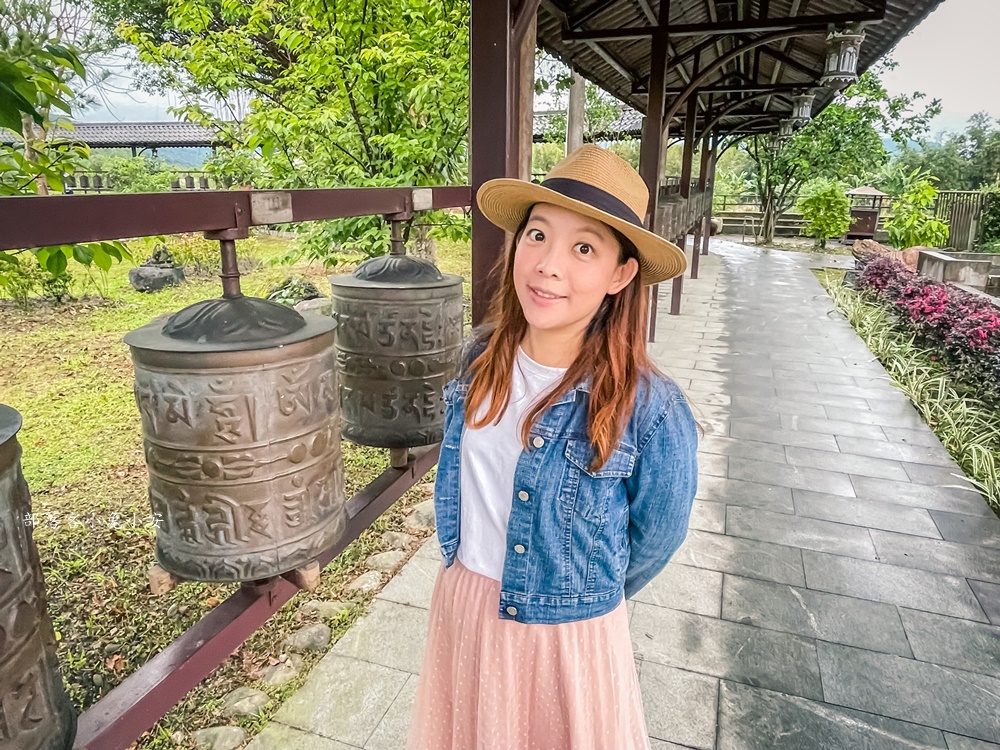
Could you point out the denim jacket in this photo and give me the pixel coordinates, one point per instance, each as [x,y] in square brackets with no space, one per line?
[577,540]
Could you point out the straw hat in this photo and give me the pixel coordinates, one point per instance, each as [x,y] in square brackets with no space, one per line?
[596,183]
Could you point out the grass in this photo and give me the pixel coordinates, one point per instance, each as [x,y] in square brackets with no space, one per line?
[967,427]
[69,374]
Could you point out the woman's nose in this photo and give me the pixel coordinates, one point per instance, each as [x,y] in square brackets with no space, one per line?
[550,262]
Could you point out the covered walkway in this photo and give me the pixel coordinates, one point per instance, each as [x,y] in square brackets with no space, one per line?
[833,591]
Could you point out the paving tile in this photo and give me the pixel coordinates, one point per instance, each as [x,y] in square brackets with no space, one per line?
[752,494]
[431,548]
[937,475]
[343,699]
[712,464]
[803,477]
[879,582]
[743,448]
[414,584]
[799,531]
[680,706]
[749,405]
[957,742]
[910,420]
[826,426]
[392,635]
[745,557]
[814,614]
[752,717]
[719,648]
[988,595]
[983,531]
[780,436]
[937,556]
[895,451]
[277,736]
[864,512]
[950,699]
[972,646]
[789,375]
[656,744]
[824,399]
[390,734]
[921,496]
[924,437]
[846,463]
[708,516]
[684,587]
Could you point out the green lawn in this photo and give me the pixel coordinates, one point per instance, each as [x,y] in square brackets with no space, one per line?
[69,374]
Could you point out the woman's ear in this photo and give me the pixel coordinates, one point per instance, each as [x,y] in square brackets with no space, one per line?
[623,275]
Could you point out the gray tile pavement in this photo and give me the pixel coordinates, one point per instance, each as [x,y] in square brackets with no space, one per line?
[838,588]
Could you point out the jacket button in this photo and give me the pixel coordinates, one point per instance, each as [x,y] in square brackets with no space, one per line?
[538,442]
[522,495]
[519,549]
[511,610]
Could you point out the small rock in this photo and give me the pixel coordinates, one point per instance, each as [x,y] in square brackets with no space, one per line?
[244,701]
[172,610]
[366,582]
[219,738]
[422,517]
[398,539]
[315,637]
[319,306]
[323,610]
[97,680]
[386,561]
[279,674]
[111,649]
[178,737]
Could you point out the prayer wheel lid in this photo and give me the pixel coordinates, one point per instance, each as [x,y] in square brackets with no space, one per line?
[229,324]
[10,423]
[396,271]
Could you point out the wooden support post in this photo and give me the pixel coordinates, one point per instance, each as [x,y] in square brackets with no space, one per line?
[654,135]
[687,164]
[490,141]
[712,159]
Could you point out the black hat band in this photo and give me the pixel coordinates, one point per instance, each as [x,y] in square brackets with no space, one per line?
[593,196]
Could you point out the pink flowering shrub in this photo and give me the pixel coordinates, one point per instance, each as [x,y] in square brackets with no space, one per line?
[962,329]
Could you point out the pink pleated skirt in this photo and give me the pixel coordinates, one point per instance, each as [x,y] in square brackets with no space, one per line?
[492,684]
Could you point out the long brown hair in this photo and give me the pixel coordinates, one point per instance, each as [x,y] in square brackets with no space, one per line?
[613,355]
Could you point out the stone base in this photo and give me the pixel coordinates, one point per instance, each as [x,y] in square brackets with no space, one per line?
[153,279]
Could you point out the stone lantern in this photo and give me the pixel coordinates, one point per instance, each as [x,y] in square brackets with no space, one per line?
[802,109]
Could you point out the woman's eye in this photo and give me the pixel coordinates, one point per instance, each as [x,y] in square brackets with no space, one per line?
[536,235]
[584,249]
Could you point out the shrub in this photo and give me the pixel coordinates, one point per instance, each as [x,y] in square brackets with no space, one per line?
[989,219]
[293,290]
[827,212]
[20,279]
[911,224]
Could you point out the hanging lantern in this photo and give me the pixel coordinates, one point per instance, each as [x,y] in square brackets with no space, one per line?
[802,111]
[773,144]
[843,49]
[786,130]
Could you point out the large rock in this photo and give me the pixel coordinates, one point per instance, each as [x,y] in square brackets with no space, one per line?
[219,738]
[908,257]
[279,674]
[153,279]
[366,582]
[244,701]
[398,539]
[422,517]
[314,637]
[386,562]
[323,610]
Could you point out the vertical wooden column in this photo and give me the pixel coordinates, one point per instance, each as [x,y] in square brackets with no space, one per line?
[687,165]
[526,96]
[713,152]
[490,121]
[653,137]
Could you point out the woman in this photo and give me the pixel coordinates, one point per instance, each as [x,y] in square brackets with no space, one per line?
[565,480]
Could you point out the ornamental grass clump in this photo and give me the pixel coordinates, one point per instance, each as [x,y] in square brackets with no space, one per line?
[962,329]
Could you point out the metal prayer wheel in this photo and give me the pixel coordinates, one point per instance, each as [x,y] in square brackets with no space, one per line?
[35,711]
[241,426]
[399,340]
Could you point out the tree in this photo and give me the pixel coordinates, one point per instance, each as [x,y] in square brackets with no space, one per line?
[844,140]
[911,223]
[969,160]
[322,94]
[38,72]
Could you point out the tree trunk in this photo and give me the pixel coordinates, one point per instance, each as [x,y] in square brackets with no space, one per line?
[29,135]
[423,245]
[768,221]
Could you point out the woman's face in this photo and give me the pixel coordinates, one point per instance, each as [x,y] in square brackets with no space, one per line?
[564,266]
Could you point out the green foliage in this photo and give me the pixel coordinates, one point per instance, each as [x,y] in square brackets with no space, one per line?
[20,279]
[293,290]
[352,93]
[136,174]
[989,219]
[843,141]
[827,211]
[911,224]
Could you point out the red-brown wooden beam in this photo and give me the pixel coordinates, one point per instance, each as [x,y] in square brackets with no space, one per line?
[755,26]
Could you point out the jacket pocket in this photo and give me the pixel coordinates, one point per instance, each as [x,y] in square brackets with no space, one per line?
[593,488]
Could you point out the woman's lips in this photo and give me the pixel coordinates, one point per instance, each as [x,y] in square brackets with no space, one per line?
[543,298]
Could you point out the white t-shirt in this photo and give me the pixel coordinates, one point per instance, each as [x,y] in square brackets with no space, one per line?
[488,460]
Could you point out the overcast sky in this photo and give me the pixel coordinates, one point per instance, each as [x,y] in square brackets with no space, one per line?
[954,55]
